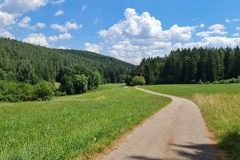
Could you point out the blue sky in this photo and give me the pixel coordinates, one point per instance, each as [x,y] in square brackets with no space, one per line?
[125,29]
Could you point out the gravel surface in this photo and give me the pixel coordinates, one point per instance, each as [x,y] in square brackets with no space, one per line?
[177,132]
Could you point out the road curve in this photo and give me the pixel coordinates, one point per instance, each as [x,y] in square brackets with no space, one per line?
[177,132]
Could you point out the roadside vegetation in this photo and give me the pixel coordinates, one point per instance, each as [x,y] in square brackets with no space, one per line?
[220,106]
[73,126]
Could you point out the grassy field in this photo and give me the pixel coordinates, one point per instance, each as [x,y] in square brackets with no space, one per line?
[220,106]
[73,126]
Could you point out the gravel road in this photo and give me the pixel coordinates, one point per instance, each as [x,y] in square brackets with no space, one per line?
[177,132]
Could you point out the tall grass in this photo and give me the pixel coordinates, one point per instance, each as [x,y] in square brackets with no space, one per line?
[72,126]
[222,113]
[220,106]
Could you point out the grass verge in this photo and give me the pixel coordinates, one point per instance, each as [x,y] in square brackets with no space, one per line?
[73,126]
[220,106]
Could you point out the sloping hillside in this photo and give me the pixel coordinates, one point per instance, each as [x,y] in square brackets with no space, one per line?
[18,58]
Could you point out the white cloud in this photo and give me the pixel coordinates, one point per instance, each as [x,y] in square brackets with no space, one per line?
[37,39]
[236,34]
[84,8]
[58,13]
[7,34]
[21,6]
[6,19]
[233,20]
[24,23]
[209,33]
[59,27]
[66,27]
[228,21]
[92,47]
[139,36]
[60,37]
[57,1]
[202,25]
[237,28]
[216,27]
[38,26]
[180,33]
[216,42]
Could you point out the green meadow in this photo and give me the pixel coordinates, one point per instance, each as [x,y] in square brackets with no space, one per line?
[220,106]
[73,126]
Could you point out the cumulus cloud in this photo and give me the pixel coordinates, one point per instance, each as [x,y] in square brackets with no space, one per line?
[202,25]
[58,13]
[6,19]
[180,33]
[60,37]
[38,26]
[138,36]
[66,27]
[21,6]
[236,35]
[217,29]
[92,47]
[37,39]
[24,23]
[7,34]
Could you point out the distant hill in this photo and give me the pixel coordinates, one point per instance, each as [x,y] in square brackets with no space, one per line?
[17,57]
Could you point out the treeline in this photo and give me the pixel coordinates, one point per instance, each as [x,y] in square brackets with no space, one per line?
[16,91]
[23,62]
[25,68]
[192,66]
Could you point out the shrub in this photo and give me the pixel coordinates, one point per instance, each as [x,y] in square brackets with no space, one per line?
[200,82]
[43,90]
[128,80]
[138,80]
[80,83]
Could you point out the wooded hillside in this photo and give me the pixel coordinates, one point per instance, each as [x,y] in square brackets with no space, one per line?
[25,62]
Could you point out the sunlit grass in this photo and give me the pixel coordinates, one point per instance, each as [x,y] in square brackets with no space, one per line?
[222,113]
[72,126]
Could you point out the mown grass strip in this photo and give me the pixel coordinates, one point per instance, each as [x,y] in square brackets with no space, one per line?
[220,106]
[69,128]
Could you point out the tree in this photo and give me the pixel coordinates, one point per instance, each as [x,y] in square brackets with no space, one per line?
[138,80]
[94,80]
[43,90]
[80,84]
[128,80]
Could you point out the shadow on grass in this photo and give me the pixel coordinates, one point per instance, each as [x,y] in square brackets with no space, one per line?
[231,144]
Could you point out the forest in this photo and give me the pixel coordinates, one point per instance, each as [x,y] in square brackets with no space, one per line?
[29,72]
[23,66]
[189,66]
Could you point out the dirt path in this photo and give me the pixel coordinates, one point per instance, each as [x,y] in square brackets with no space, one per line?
[177,132]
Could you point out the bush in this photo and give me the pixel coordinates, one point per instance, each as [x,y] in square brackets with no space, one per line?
[200,82]
[43,90]
[80,83]
[138,80]
[128,80]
